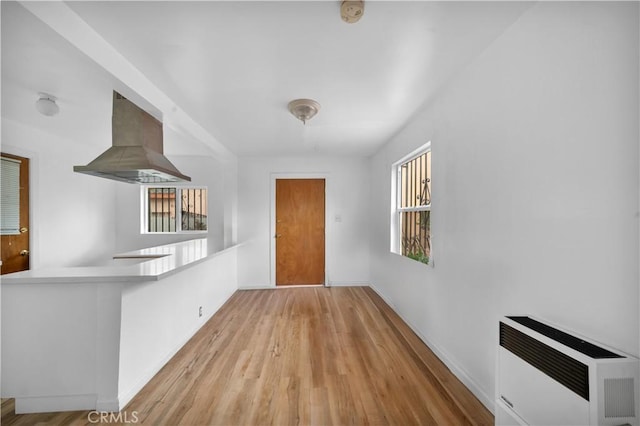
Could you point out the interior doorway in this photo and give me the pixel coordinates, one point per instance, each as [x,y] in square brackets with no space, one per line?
[14,234]
[300,231]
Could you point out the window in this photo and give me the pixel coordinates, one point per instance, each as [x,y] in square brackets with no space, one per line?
[175,209]
[412,222]
[10,202]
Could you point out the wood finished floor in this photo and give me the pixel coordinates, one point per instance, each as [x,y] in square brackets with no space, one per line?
[321,356]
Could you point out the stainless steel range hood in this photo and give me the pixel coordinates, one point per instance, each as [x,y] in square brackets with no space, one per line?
[136,152]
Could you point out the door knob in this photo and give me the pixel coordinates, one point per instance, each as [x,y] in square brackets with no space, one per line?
[278,235]
[23,230]
[24,252]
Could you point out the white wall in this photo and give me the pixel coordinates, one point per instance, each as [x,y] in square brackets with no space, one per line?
[535,190]
[347,196]
[72,217]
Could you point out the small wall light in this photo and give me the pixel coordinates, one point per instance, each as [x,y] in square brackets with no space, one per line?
[46,105]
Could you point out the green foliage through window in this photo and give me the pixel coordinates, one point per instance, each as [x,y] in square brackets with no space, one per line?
[414,207]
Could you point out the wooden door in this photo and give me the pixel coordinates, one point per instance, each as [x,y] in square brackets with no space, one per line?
[299,235]
[14,240]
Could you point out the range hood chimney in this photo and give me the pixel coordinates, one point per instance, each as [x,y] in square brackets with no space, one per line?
[136,152]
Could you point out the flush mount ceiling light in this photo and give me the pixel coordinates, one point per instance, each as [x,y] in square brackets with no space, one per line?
[46,105]
[304,109]
[351,10]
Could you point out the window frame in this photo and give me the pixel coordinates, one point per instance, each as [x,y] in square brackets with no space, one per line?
[144,211]
[396,203]
[10,204]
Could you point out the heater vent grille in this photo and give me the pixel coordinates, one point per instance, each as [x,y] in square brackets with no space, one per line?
[589,349]
[565,370]
[619,399]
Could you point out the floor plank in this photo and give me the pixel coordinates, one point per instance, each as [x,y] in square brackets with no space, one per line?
[321,356]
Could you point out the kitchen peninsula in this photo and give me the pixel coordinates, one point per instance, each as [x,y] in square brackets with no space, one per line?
[91,337]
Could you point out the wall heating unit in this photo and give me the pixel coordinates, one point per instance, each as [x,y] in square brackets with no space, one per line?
[546,375]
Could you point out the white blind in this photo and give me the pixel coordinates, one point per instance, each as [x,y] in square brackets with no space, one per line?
[10,196]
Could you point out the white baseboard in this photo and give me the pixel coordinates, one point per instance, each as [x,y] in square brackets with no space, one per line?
[348,284]
[48,404]
[328,284]
[257,287]
[108,405]
[457,371]
[331,284]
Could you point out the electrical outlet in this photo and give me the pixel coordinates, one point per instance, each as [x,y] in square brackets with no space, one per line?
[200,311]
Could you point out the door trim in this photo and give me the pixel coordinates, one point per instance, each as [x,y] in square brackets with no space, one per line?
[34,196]
[272,220]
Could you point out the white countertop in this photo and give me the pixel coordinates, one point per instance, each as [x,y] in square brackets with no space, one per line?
[154,264]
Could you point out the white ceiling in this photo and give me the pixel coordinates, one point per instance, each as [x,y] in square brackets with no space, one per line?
[233,66]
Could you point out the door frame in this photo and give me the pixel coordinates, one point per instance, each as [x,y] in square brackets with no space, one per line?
[272,220]
[34,167]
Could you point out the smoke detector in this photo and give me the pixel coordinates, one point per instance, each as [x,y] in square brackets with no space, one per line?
[351,10]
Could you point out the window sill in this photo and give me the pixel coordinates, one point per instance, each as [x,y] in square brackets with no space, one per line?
[430,264]
[177,233]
